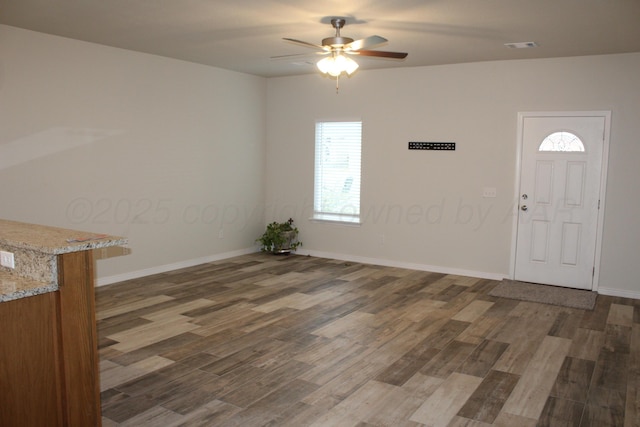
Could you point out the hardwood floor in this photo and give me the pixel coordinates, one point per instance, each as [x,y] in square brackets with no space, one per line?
[263,340]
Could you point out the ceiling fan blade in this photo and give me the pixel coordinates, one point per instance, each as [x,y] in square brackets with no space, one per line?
[381,54]
[305,44]
[297,55]
[367,42]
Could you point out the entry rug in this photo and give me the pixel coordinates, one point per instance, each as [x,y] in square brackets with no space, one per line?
[554,295]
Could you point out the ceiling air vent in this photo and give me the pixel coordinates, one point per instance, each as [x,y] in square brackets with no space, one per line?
[521,45]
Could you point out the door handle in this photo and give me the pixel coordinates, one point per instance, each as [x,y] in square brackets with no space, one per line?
[524,208]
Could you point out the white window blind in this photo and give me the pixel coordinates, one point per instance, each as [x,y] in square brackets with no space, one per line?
[337,171]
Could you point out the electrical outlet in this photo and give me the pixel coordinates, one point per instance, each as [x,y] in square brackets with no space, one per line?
[7,260]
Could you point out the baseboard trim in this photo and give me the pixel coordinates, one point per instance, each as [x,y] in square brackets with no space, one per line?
[108,280]
[619,293]
[408,265]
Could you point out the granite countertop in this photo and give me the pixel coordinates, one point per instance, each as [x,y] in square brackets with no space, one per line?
[52,240]
[15,287]
[35,248]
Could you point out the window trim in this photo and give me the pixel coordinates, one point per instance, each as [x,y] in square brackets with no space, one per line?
[344,218]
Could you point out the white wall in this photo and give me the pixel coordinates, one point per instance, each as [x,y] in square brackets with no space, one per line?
[168,153]
[165,152]
[425,209]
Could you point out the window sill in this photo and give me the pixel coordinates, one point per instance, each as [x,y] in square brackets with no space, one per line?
[336,219]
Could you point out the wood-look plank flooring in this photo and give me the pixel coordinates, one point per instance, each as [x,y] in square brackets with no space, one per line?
[263,340]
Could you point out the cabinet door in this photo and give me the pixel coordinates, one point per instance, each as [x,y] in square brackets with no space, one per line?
[30,383]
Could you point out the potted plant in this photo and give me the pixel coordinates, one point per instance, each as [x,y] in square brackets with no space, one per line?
[280,238]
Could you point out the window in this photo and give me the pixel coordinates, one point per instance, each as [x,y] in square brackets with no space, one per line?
[337,171]
[562,141]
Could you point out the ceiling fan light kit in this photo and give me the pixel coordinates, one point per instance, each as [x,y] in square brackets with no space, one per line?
[339,48]
[337,64]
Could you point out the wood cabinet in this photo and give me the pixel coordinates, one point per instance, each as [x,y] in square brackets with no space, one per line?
[48,352]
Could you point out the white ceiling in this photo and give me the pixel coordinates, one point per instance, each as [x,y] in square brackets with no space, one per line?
[242,35]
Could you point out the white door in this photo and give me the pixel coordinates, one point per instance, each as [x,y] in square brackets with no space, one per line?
[561,171]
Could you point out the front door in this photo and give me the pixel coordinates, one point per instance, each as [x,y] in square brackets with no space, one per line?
[561,169]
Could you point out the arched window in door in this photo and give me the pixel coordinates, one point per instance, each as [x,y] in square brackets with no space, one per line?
[562,141]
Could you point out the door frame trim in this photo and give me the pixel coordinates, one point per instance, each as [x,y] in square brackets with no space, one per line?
[606,114]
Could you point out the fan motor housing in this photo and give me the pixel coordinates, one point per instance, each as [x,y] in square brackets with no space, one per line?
[336,41]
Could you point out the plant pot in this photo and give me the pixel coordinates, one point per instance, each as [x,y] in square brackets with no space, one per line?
[289,238]
[279,238]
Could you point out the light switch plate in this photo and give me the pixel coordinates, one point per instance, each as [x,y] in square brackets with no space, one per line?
[7,259]
[489,192]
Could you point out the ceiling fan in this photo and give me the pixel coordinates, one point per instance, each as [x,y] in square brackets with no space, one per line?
[339,49]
